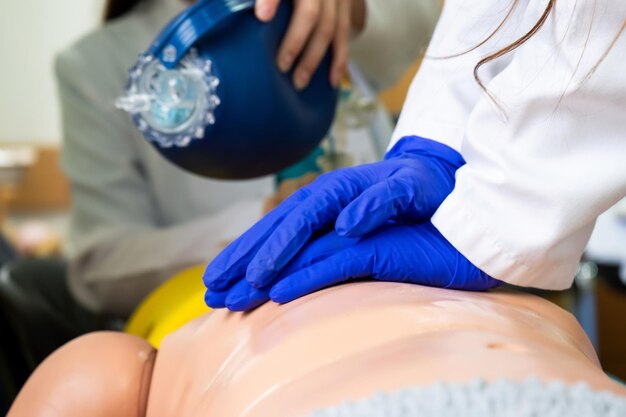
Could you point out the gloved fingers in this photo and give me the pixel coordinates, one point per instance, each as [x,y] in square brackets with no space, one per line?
[377,205]
[215,299]
[317,45]
[317,250]
[391,253]
[416,253]
[420,254]
[230,264]
[338,268]
[318,211]
[242,297]
[285,242]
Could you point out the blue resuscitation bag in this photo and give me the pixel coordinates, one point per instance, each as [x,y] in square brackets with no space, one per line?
[210,98]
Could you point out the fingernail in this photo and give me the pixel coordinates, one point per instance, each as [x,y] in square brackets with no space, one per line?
[257,277]
[349,231]
[343,227]
[214,301]
[276,294]
[263,12]
[341,230]
[216,285]
[235,304]
[235,307]
[285,61]
[301,79]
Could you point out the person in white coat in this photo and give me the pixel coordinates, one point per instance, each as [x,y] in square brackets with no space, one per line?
[510,144]
[136,219]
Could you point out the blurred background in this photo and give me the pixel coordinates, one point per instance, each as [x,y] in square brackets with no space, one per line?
[35,197]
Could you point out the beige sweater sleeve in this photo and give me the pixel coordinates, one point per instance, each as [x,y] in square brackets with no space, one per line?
[119,249]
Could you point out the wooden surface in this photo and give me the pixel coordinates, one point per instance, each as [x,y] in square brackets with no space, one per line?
[44,186]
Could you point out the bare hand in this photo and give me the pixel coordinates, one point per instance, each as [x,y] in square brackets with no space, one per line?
[314,27]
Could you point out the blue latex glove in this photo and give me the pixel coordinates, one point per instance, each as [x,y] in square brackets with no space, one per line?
[241,296]
[395,252]
[409,185]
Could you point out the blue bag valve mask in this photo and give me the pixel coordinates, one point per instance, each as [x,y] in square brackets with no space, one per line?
[210,98]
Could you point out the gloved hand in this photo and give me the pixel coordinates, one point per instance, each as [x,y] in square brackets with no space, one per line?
[415,253]
[241,296]
[409,185]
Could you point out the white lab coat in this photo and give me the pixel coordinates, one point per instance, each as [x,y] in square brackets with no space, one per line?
[136,219]
[539,173]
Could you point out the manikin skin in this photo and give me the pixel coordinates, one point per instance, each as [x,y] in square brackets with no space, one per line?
[339,344]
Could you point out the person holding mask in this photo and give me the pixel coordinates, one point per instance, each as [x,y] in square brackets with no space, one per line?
[136,219]
[509,147]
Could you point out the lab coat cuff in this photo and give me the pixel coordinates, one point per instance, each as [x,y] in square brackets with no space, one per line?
[421,146]
[450,135]
[464,221]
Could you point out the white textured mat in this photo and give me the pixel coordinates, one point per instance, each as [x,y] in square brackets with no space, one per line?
[482,399]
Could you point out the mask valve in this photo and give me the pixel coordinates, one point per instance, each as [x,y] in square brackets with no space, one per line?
[172,107]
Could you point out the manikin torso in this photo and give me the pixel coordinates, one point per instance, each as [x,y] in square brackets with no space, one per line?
[343,343]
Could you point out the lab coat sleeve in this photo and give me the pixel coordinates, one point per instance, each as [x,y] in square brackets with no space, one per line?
[119,251]
[444,91]
[395,33]
[539,175]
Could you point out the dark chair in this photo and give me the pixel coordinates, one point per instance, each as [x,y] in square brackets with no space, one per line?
[37,315]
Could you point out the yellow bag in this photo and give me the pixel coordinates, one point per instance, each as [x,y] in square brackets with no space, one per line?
[172,305]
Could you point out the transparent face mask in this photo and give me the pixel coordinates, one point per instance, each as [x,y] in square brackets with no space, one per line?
[171,107]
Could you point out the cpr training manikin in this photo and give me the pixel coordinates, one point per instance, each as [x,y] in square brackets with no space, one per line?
[399,349]
[353,350]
